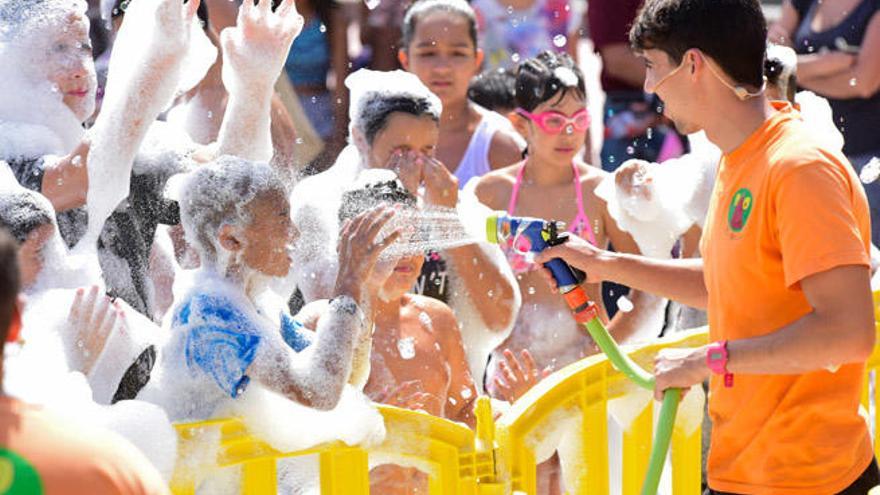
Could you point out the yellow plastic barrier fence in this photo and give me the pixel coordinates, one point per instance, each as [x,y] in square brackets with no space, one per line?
[568,410]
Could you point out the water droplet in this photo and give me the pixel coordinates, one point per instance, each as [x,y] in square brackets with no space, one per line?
[560,40]
[490,293]
[372,4]
[210,114]
[611,159]
[314,99]
[531,290]
[515,58]
[322,28]
[466,393]
[452,401]
[853,82]
[299,140]
[77,161]
[509,10]
[630,150]
[406,347]
[649,133]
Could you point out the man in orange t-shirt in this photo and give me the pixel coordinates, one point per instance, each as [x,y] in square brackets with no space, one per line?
[785,276]
[41,453]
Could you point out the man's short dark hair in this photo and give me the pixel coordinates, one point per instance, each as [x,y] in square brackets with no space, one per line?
[732,32]
[10,282]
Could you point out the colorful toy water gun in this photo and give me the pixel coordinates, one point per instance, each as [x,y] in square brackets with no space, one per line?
[534,235]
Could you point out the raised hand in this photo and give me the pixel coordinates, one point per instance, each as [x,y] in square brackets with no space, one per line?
[255,49]
[518,375]
[173,20]
[93,318]
[441,186]
[359,249]
[408,167]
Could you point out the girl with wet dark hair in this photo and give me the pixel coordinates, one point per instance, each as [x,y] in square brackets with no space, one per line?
[551,113]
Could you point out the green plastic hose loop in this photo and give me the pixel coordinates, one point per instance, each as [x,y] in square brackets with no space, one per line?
[666,421]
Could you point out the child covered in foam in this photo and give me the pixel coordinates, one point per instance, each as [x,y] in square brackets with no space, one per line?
[395,126]
[418,360]
[231,351]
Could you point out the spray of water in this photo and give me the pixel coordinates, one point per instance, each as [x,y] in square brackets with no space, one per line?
[432,228]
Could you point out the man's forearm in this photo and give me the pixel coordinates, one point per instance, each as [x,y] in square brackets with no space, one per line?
[811,343]
[679,280]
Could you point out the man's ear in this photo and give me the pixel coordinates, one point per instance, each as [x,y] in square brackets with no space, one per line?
[481,55]
[403,58]
[228,238]
[14,332]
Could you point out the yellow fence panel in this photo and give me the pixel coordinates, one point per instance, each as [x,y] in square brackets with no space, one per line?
[568,409]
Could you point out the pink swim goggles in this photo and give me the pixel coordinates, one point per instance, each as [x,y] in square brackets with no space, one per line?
[553,122]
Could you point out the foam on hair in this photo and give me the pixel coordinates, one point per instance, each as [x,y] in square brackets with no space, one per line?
[17,17]
[546,76]
[376,94]
[22,211]
[217,194]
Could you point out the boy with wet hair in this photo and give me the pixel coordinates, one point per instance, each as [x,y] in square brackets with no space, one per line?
[417,361]
[223,334]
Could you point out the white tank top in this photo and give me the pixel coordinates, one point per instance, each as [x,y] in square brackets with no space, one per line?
[475,161]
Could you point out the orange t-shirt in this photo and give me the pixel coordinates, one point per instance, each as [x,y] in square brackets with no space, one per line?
[783,208]
[41,453]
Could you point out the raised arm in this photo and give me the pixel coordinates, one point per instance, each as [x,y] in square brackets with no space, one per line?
[157,36]
[253,56]
[316,377]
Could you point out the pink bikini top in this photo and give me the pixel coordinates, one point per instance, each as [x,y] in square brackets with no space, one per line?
[516,247]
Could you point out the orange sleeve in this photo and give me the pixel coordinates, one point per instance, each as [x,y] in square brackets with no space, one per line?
[816,220]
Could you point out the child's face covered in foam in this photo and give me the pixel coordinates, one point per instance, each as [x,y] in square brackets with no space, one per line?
[269,235]
[404,132]
[442,54]
[62,56]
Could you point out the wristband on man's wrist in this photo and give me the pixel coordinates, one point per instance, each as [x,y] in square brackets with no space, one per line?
[717,358]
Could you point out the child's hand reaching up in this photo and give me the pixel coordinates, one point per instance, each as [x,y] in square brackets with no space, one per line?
[93,318]
[359,249]
[518,377]
[255,49]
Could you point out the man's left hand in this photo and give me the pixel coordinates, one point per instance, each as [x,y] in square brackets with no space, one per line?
[679,368]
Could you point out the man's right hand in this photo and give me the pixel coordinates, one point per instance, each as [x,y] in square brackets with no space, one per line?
[579,254]
[359,250]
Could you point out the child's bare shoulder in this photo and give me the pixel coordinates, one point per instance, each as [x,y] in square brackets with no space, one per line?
[495,186]
[439,313]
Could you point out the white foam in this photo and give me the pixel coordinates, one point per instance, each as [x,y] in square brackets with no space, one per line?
[136,93]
